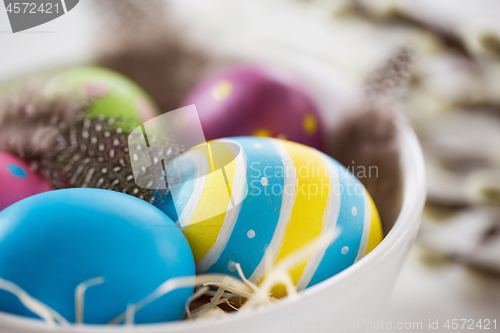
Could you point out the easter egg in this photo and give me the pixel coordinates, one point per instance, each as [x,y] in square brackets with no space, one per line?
[18,181]
[53,242]
[294,194]
[253,100]
[112,94]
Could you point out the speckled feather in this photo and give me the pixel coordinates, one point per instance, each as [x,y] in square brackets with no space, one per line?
[95,153]
[70,150]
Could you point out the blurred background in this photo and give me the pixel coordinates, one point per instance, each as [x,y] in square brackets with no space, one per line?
[451,97]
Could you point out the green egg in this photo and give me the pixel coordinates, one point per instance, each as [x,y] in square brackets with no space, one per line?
[111,94]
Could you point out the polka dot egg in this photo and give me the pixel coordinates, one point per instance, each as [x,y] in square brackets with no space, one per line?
[294,194]
[18,181]
[254,100]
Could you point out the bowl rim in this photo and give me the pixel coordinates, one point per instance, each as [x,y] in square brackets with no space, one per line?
[404,230]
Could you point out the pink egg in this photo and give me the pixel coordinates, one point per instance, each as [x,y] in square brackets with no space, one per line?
[254,100]
[18,181]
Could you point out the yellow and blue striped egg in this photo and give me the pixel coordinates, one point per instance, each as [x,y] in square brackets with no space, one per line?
[275,196]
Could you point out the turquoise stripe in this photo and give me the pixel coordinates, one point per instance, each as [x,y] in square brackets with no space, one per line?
[259,211]
[334,261]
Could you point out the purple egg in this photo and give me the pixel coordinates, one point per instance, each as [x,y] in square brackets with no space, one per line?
[18,181]
[254,100]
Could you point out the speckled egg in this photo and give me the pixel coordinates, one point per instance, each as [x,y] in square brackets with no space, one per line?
[113,94]
[255,100]
[53,242]
[294,194]
[18,181]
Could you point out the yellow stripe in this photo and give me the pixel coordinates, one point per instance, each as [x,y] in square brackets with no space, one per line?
[312,193]
[202,232]
[375,236]
[211,157]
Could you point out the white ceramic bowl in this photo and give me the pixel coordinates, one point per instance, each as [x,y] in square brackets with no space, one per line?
[341,303]
[349,299]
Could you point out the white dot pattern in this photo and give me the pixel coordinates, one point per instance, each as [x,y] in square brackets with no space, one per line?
[231,266]
[251,234]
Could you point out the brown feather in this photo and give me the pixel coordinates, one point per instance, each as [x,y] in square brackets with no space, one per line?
[145,46]
[30,122]
[366,139]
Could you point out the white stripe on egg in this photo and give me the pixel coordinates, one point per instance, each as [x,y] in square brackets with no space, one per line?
[194,199]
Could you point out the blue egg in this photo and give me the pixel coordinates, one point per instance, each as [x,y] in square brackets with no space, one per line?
[52,242]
